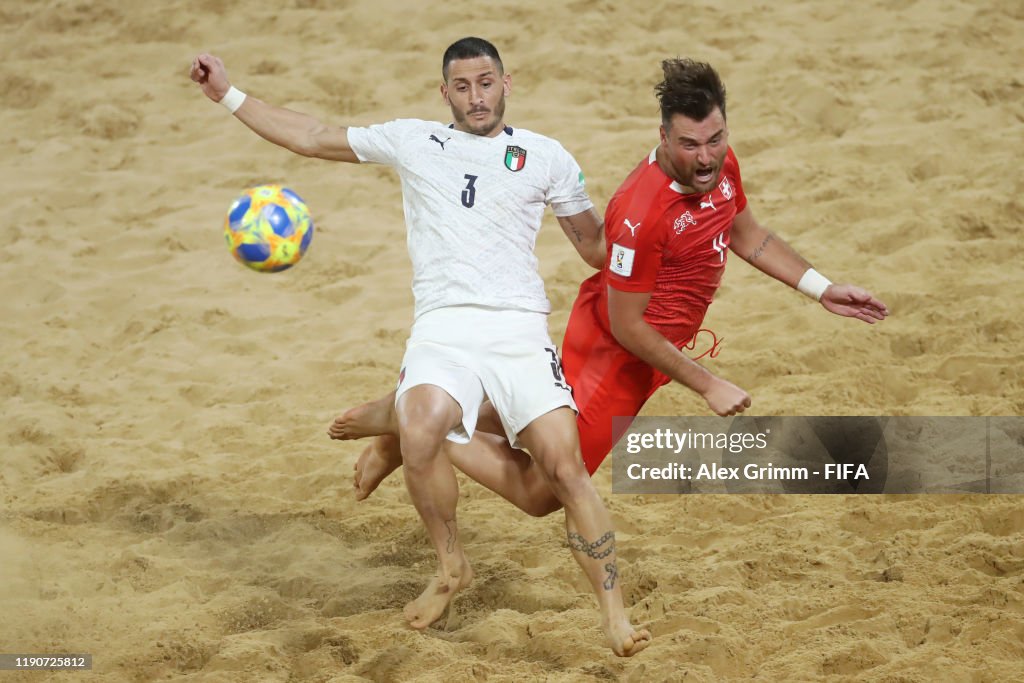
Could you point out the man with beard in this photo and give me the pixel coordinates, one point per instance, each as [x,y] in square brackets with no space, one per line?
[669,226]
[474,193]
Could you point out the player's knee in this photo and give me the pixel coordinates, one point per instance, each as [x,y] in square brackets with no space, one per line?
[420,444]
[568,478]
[419,461]
[422,429]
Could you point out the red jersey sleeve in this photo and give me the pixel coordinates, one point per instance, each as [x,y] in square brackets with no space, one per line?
[633,231]
[637,246]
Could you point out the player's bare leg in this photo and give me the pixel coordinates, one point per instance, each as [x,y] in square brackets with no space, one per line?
[426,413]
[378,417]
[488,459]
[554,443]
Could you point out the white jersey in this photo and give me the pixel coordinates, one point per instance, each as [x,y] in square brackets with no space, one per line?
[473,207]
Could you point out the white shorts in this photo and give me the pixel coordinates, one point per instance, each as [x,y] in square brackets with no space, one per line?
[474,353]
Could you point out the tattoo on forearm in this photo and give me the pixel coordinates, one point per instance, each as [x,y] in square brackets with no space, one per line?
[760,250]
[450,525]
[613,573]
[577,542]
[575,230]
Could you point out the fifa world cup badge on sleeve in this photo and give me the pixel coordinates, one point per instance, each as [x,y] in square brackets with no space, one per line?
[622,260]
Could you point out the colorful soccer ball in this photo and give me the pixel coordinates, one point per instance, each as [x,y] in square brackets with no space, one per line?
[268,228]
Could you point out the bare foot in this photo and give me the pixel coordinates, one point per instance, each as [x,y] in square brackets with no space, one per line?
[625,640]
[375,463]
[370,419]
[434,600]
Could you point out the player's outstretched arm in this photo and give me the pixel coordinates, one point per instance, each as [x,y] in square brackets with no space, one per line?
[770,254]
[299,133]
[765,250]
[626,315]
[586,232]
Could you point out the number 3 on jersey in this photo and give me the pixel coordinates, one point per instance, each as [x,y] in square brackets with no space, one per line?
[469,194]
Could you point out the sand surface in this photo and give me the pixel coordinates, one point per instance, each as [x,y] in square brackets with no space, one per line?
[170,503]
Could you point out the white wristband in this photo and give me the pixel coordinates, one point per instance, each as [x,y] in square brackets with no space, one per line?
[233,100]
[813,284]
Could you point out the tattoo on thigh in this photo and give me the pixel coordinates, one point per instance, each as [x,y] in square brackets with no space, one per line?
[577,542]
[613,573]
[452,532]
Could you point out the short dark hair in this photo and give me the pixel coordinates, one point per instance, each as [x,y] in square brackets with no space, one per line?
[690,88]
[468,48]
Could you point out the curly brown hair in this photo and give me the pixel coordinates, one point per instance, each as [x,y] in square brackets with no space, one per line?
[690,88]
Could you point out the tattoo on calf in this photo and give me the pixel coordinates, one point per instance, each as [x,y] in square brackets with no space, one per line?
[577,542]
[760,249]
[450,525]
[613,573]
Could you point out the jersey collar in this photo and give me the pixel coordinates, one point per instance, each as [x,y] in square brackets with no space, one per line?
[507,130]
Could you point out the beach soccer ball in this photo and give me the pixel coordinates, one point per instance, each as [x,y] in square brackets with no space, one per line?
[268,228]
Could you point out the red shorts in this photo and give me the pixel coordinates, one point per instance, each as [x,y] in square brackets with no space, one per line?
[607,380]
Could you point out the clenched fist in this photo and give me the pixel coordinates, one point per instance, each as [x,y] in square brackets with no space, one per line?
[208,71]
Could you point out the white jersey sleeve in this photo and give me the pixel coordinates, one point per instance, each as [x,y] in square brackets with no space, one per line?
[566,194]
[380,143]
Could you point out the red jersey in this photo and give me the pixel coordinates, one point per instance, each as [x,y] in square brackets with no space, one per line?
[670,244]
[660,241]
